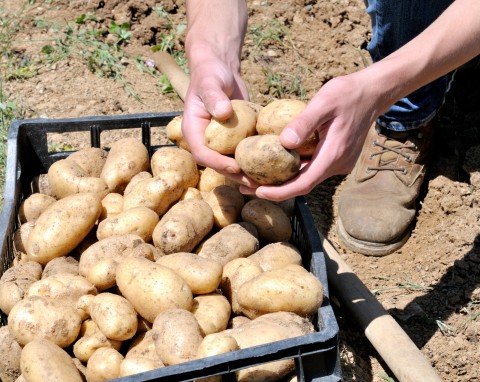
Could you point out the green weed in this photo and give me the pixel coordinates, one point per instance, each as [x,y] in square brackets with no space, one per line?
[272,32]
[282,85]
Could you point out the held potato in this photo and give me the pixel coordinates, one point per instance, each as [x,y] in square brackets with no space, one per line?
[224,136]
[62,226]
[202,275]
[265,160]
[177,336]
[275,116]
[33,206]
[183,226]
[174,132]
[140,221]
[42,360]
[289,289]
[152,288]
[126,158]
[114,316]
[167,159]
[37,317]
[271,221]
[15,282]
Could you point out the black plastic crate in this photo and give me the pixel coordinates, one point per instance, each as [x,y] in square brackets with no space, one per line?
[316,355]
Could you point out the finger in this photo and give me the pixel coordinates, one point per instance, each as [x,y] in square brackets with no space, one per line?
[304,124]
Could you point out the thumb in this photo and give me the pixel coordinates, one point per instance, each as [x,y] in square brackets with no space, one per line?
[217,103]
[302,127]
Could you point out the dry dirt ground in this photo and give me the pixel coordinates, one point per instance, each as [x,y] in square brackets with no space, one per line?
[431,285]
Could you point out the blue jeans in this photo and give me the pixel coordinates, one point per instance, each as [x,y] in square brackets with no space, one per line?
[394,23]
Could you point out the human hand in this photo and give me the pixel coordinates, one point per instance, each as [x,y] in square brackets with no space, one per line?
[341,112]
[213,84]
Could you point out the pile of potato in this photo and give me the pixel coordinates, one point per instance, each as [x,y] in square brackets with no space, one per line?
[126,263]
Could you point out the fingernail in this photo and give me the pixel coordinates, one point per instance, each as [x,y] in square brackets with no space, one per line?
[231,170]
[290,135]
[220,108]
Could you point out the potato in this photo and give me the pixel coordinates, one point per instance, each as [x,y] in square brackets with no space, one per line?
[174,132]
[91,339]
[235,273]
[90,159]
[289,289]
[66,177]
[42,360]
[10,351]
[112,205]
[224,136]
[157,193]
[266,161]
[67,288]
[212,312]
[183,226]
[152,288]
[202,275]
[177,336]
[98,263]
[275,116]
[209,179]
[271,221]
[20,238]
[137,178]
[276,255]
[192,193]
[167,159]
[231,242]
[15,282]
[217,343]
[126,158]
[267,329]
[103,365]
[62,226]
[33,206]
[64,264]
[37,317]
[41,184]
[141,356]
[140,221]
[114,316]
[226,203]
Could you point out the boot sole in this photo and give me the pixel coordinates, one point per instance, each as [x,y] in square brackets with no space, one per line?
[369,248]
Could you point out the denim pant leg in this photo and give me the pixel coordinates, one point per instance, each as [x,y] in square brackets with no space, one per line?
[394,23]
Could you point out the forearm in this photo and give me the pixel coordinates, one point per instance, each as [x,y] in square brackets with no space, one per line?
[452,40]
[216,29]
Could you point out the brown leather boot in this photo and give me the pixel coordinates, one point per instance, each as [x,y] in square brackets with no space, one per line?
[377,206]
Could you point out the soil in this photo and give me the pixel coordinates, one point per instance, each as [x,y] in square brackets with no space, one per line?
[431,285]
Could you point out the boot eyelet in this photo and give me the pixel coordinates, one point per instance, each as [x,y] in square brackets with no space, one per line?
[404,171]
[409,159]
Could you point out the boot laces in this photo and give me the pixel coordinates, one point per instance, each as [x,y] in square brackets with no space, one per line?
[387,164]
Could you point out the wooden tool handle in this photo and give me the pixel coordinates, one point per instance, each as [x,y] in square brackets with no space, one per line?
[175,74]
[395,347]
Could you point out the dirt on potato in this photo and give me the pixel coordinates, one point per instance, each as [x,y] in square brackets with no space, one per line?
[430,286]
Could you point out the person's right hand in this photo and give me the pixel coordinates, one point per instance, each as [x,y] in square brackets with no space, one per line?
[213,84]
